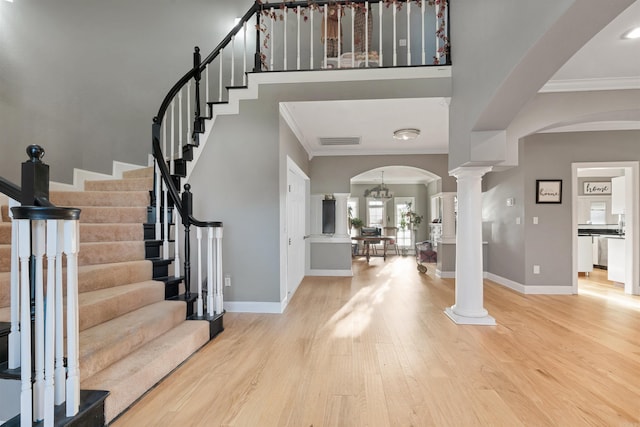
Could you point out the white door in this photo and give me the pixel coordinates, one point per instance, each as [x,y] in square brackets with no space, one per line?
[295,230]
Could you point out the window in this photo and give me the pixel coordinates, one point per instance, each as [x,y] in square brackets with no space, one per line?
[405,236]
[375,213]
[598,213]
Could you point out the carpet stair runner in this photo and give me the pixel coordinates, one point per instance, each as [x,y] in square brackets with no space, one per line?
[130,336]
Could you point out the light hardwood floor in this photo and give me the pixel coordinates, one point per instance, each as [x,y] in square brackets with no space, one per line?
[377,350]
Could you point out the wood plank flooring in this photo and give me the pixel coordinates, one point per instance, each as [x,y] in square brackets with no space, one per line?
[377,350]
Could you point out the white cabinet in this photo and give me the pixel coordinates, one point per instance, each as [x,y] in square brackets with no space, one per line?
[616,267]
[585,254]
[617,195]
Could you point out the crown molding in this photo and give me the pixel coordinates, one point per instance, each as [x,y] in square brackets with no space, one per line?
[581,85]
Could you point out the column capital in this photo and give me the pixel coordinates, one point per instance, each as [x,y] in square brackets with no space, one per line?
[470,171]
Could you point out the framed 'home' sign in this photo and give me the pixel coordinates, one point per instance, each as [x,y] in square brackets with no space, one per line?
[597,187]
[548,191]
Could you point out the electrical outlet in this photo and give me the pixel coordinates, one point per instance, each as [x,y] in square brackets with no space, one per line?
[402,42]
[517,220]
[536,269]
[227,280]
[535,219]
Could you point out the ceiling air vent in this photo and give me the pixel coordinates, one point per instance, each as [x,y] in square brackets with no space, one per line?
[349,140]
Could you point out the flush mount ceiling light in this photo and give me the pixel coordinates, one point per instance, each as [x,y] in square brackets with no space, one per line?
[406,134]
[633,33]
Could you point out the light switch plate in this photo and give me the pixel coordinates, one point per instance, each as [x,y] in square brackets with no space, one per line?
[535,219]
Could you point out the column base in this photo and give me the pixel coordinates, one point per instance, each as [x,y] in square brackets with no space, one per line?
[464,320]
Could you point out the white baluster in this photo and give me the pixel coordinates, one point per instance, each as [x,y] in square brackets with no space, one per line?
[199,301]
[326,40]
[60,370]
[24,253]
[298,39]
[165,223]
[233,60]
[210,277]
[157,199]
[366,33]
[206,84]
[49,345]
[220,76]
[422,12]
[218,251]
[165,132]
[71,246]
[311,39]
[189,117]
[395,50]
[176,242]
[380,32]
[244,54]
[284,60]
[38,249]
[14,335]
[180,135]
[173,142]
[273,40]
[408,33]
[339,11]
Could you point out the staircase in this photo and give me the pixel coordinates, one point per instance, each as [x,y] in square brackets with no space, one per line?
[130,335]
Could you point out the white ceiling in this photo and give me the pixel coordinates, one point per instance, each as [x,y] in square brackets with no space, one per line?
[606,61]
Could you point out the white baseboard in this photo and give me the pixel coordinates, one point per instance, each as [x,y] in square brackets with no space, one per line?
[445,274]
[254,307]
[326,273]
[531,289]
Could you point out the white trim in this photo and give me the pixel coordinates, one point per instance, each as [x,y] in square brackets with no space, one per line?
[330,273]
[255,307]
[580,85]
[293,125]
[465,320]
[518,287]
[531,289]
[445,274]
[119,168]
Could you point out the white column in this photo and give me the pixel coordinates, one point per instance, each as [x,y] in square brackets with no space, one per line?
[342,228]
[468,308]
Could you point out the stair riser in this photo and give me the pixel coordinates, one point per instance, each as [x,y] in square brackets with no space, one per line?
[100,198]
[104,253]
[100,215]
[139,173]
[134,184]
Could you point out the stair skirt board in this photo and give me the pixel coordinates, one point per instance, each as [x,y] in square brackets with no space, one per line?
[131,335]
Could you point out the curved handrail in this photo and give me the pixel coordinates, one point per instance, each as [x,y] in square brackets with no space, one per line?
[10,189]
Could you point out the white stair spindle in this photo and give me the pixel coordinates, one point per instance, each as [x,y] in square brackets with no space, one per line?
[210,277]
[298,39]
[219,296]
[176,243]
[380,32]
[165,134]
[326,40]
[189,116]
[60,370]
[165,223]
[233,60]
[173,142]
[284,59]
[244,54]
[395,47]
[180,140]
[24,253]
[408,33]
[206,84]
[49,345]
[71,246]
[220,76]
[366,34]
[14,335]
[422,12]
[339,11]
[157,199]
[199,301]
[38,249]
[271,48]
[311,39]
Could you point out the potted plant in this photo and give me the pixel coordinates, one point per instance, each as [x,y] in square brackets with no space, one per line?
[356,223]
[409,220]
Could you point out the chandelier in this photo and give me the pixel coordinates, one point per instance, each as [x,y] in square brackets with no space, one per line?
[379,191]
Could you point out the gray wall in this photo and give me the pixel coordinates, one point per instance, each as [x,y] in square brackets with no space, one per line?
[84,78]
[330,256]
[332,174]
[549,243]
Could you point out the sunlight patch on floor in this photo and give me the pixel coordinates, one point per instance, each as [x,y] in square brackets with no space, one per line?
[355,316]
[627,301]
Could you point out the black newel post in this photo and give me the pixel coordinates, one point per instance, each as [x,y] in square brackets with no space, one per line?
[35,177]
[257,61]
[187,206]
[198,123]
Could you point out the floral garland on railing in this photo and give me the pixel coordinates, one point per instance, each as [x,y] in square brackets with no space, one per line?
[278,14]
